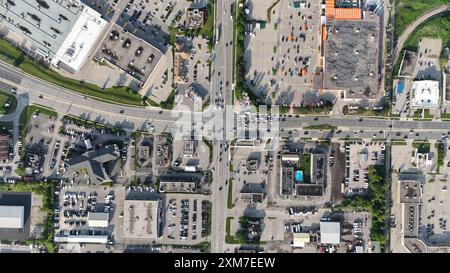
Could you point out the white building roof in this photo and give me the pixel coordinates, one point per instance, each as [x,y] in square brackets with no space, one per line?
[426,94]
[300,239]
[11,216]
[92,239]
[330,232]
[98,219]
[290,157]
[81,39]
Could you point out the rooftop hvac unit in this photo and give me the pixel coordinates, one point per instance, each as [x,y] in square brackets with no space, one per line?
[71,50]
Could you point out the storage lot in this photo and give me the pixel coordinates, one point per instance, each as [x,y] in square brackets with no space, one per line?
[76,202]
[184,219]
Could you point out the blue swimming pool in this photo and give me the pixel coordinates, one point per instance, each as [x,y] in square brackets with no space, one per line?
[298,176]
[400,87]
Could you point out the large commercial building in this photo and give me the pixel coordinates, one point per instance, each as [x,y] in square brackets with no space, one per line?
[12,216]
[141,219]
[351,56]
[130,53]
[62,32]
[93,163]
[350,46]
[426,94]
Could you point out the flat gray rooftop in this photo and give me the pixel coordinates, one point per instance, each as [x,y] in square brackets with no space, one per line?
[46,23]
[410,192]
[121,49]
[318,170]
[351,55]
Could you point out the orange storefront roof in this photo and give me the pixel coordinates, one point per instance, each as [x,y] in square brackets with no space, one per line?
[324,33]
[329,9]
[347,14]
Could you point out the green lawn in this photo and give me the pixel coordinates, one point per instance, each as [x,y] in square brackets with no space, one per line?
[230,204]
[321,127]
[435,27]
[92,124]
[207,230]
[407,11]
[427,115]
[229,239]
[440,153]
[6,97]
[305,166]
[445,115]
[422,147]
[14,56]
[208,143]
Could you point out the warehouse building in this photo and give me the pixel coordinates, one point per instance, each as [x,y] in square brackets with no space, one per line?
[12,216]
[62,33]
[330,233]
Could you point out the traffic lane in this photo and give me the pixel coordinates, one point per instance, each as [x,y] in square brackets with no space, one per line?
[366,134]
[295,122]
[9,74]
[5,86]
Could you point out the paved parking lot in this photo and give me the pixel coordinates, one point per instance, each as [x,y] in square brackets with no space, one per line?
[434,212]
[183,157]
[184,219]
[196,69]
[252,168]
[40,142]
[150,20]
[359,156]
[402,159]
[284,55]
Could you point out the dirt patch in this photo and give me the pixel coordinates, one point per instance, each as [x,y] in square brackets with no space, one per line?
[37,215]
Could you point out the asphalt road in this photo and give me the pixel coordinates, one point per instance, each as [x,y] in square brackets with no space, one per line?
[222,65]
[134,118]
